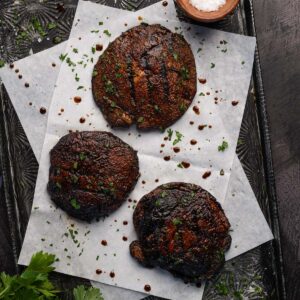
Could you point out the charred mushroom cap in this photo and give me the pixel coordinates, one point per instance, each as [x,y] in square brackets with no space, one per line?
[91,173]
[183,229]
[145,76]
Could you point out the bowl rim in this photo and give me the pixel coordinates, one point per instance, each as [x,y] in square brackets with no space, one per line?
[204,16]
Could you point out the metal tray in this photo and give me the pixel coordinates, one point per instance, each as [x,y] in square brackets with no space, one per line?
[256,274]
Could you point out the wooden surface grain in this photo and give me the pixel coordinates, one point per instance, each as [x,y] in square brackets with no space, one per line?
[278,35]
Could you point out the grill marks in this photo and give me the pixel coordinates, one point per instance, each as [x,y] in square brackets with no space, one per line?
[91,173]
[130,76]
[147,88]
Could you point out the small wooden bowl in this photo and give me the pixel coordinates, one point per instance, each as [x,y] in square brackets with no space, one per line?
[204,16]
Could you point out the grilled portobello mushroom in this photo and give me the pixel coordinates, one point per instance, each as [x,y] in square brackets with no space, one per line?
[183,229]
[146,76]
[91,173]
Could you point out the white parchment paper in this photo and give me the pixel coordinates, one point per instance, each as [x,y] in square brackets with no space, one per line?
[253,228]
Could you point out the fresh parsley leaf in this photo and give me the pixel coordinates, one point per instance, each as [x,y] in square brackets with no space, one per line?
[140,120]
[100,23]
[51,26]
[80,87]
[179,136]
[74,203]
[170,133]
[176,221]
[212,65]
[93,50]
[2,63]
[180,165]
[38,27]
[223,146]
[63,56]
[57,40]
[184,72]
[107,32]
[75,50]
[33,283]
[83,293]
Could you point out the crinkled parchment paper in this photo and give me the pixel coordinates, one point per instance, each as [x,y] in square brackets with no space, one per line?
[230,76]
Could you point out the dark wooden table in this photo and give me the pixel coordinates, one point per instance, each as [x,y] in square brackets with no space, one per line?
[277,29]
[277,26]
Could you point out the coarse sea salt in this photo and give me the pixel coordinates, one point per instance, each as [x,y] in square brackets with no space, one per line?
[207,5]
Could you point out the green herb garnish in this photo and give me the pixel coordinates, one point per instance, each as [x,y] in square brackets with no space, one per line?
[178,137]
[184,72]
[170,133]
[176,221]
[74,203]
[63,56]
[223,146]
[51,26]
[212,65]
[107,32]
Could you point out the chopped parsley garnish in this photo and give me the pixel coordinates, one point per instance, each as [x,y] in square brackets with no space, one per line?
[163,194]
[199,49]
[75,50]
[63,56]
[107,32]
[95,73]
[113,104]
[58,185]
[184,72]
[94,31]
[2,63]
[74,203]
[157,203]
[76,77]
[51,25]
[109,87]
[224,50]
[175,55]
[170,133]
[70,62]
[38,27]
[201,94]
[223,146]
[74,179]
[222,288]
[117,67]
[119,75]
[240,142]
[212,65]
[140,119]
[182,107]
[82,156]
[100,23]
[80,87]
[93,50]
[178,137]
[156,108]
[57,40]
[180,165]
[242,62]
[176,221]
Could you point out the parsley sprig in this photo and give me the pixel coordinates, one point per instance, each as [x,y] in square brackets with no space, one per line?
[33,283]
